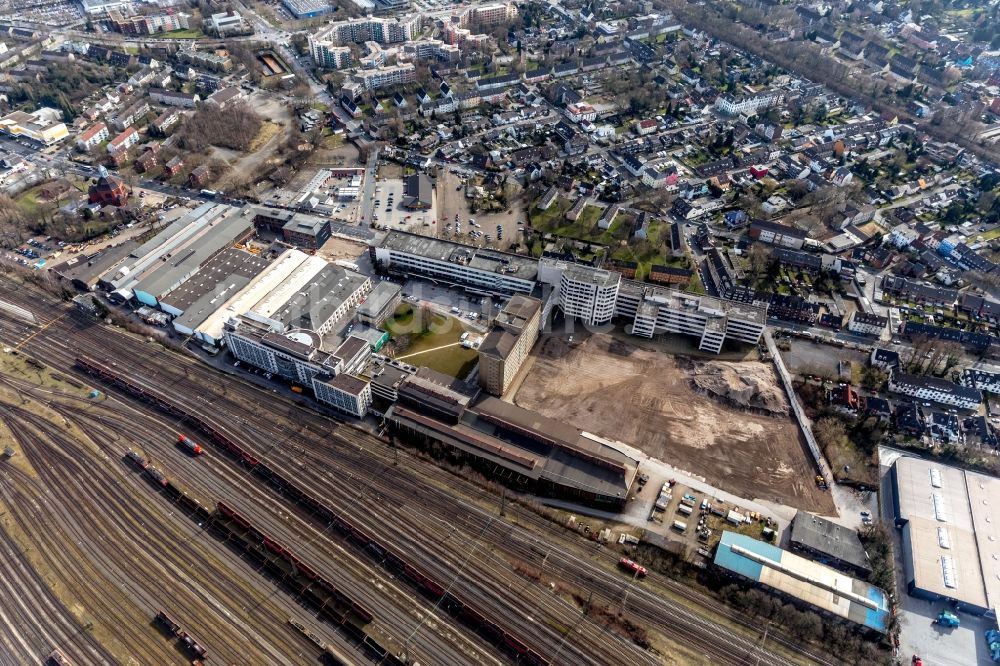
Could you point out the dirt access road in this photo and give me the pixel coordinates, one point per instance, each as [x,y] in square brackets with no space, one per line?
[645,398]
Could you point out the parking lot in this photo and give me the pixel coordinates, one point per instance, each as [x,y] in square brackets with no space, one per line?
[388,209]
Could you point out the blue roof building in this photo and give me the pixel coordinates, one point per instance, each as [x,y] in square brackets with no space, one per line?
[821,587]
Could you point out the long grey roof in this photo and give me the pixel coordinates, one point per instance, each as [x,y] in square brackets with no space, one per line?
[180,267]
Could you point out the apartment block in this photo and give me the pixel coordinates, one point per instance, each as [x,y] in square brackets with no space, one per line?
[385,77]
[92,136]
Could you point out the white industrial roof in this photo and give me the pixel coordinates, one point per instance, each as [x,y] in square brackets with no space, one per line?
[951,529]
[299,277]
[259,287]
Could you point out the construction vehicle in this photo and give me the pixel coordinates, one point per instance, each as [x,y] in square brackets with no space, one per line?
[821,482]
[947,619]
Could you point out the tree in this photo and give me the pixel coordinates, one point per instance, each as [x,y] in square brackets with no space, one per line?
[760,258]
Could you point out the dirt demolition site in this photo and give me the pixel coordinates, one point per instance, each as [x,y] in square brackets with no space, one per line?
[726,421]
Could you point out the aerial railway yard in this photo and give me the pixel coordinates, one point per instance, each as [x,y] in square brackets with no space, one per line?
[148,551]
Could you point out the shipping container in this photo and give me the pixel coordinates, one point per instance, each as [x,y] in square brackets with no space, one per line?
[680,526]
[684,509]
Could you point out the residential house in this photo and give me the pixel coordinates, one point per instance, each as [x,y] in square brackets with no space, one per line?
[934,389]
[866,323]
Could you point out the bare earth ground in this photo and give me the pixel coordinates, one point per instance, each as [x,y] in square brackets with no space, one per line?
[341,248]
[644,398]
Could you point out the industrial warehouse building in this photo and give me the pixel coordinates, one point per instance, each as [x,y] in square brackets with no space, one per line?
[84,271]
[507,345]
[817,586]
[829,543]
[950,536]
[178,252]
[538,453]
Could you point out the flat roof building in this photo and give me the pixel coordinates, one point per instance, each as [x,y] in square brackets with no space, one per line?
[827,590]
[508,344]
[324,301]
[85,271]
[210,331]
[477,270]
[658,310]
[584,292]
[187,258]
[949,532]
[218,280]
[829,543]
[380,304]
[552,457]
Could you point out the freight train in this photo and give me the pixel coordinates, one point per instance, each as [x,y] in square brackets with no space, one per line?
[456,606]
[57,658]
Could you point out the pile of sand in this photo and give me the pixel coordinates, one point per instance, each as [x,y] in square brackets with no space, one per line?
[742,385]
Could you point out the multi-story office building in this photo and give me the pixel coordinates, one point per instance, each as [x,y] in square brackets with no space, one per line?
[296,356]
[380,304]
[506,347]
[345,392]
[934,389]
[477,270]
[584,292]
[658,310]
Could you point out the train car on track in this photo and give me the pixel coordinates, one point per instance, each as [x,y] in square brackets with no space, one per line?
[156,477]
[632,567]
[163,620]
[192,645]
[189,445]
[57,658]
[136,460]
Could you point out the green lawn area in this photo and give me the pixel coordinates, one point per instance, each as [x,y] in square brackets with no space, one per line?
[185,34]
[28,202]
[437,348]
[553,221]
[991,234]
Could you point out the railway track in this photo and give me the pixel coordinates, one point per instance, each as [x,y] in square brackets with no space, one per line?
[209,475]
[369,462]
